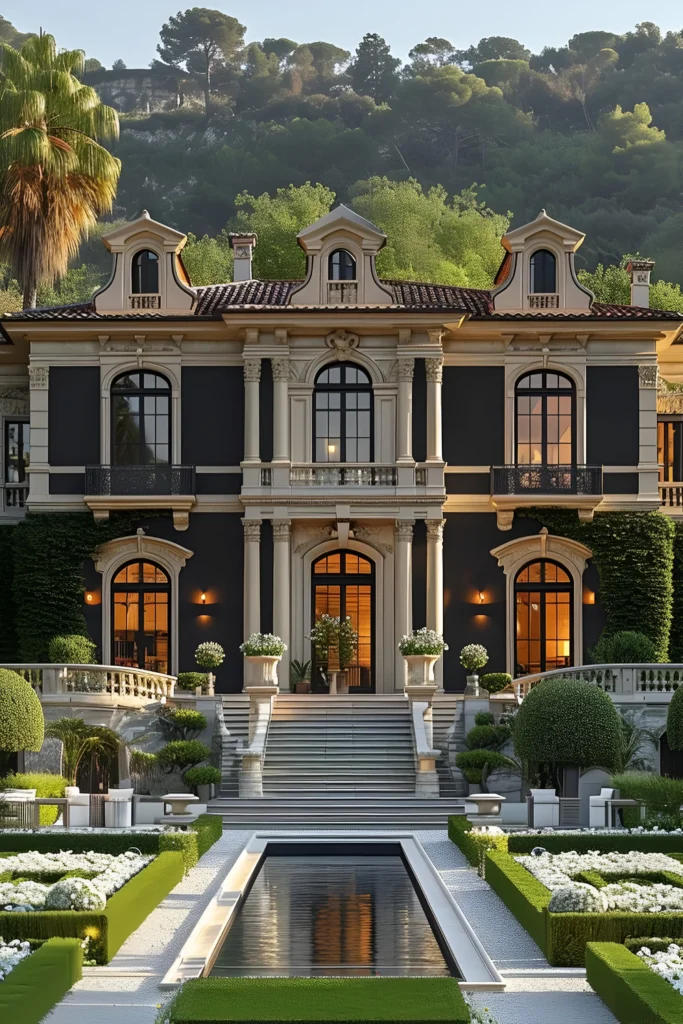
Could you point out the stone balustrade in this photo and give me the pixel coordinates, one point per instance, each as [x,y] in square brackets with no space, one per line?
[96,680]
[639,683]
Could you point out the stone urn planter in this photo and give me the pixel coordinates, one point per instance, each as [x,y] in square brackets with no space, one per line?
[262,669]
[205,793]
[421,668]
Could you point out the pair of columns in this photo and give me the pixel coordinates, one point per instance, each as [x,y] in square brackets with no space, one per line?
[281,583]
[404,413]
[252,379]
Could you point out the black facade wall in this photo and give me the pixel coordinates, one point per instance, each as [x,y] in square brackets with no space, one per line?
[212,416]
[419,574]
[266,574]
[67,483]
[594,617]
[473,416]
[420,411]
[266,411]
[74,416]
[218,483]
[612,427]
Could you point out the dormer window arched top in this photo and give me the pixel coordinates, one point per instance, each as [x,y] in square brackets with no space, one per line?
[543,267]
[341,266]
[145,273]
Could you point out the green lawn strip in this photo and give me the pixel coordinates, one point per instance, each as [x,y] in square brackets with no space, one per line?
[521,893]
[319,1000]
[41,980]
[634,993]
[125,911]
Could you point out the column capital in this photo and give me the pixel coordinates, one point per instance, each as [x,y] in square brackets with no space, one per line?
[405,369]
[39,377]
[252,529]
[434,370]
[435,529]
[648,375]
[282,529]
[280,369]
[252,370]
[404,529]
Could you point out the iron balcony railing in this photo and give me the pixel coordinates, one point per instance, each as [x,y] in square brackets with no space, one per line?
[139,480]
[546,480]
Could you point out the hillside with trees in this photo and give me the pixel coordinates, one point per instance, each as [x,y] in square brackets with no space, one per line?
[268,134]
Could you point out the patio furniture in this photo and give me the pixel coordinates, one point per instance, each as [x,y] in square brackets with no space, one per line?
[118,808]
[614,805]
[179,803]
[51,801]
[16,811]
[597,813]
[544,808]
[147,810]
[79,807]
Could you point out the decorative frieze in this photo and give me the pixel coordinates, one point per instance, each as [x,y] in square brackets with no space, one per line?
[39,377]
[252,530]
[648,375]
[405,368]
[252,370]
[280,369]
[434,370]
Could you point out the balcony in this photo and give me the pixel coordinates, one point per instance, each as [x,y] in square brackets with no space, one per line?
[544,301]
[144,301]
[343,476]
[14,498]
[110,488]
[671,494]
[512,487]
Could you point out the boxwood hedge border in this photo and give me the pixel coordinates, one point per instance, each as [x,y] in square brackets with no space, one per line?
[31,990]
[632,991]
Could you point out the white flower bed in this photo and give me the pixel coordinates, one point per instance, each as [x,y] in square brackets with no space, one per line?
[12,953]
[667,965]
[638,831]
[558,871]
[69,894]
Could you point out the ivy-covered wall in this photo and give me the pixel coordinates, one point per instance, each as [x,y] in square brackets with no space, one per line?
[676,642]
[8,636]
[634,556]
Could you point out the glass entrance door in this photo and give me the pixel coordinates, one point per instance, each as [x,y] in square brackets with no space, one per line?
[344,584]
[543,628]
[141,594]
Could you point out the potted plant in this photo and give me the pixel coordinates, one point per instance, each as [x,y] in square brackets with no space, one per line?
[209,655]
[421,650]
[203,778]
[473,657]
[300,676]
[263,652]
[332,634]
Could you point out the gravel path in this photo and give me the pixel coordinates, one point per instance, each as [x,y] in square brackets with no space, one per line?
[126,990]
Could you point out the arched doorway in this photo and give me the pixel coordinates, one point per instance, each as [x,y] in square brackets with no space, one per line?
[141,597]
[344,584]
[544,636]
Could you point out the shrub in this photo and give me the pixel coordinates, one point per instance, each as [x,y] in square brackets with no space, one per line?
[475,844]
[623,648]
[494,682]
[263,645]
[586,842]
[631,990]
[659,794]
[674,721]
[143,763]
[45,785]
[209,655]
[487,736]
[182,722]
[204,775]
[473,657]
[22,726]
[655,945]
[522,894]
[483,718]
[71,650]
[472,763]
[191,680]
[578,897]
[40,981]
[422,641]
[209,829]
[74,894]
[563,721]
[181,754]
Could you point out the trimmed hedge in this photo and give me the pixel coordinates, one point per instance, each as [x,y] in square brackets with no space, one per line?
[320,1000]
[202,833]
[125,911]
[30,991]
[474,844]
[44,784]
[633,992]
[563,937]
[586,842]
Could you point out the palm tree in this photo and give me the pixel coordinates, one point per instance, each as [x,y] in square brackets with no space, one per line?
[633,739]
[80,741]
[55,177]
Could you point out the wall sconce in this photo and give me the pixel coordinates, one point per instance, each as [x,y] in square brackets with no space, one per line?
[89,597]
[589,597]
[482,597]
[203,599]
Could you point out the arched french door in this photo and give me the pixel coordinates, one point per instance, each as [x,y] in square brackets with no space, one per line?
[344,584]
[141,631]
[544,633]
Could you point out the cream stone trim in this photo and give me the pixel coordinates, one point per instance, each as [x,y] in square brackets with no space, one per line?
[519,367]
[180,505]
[332,356]
[515,554]
[110,371]
[111,556]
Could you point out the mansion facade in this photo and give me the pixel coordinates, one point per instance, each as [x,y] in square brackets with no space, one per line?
[341,444]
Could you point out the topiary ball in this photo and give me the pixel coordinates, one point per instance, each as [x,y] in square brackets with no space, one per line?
[74,894]
[674,721]
[577,898]
[22,726]
[564,721]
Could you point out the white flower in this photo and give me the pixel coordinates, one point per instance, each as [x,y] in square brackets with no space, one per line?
[12,953]
[668,965]
[422,641]
[473,657]
[260,645]
[111,873]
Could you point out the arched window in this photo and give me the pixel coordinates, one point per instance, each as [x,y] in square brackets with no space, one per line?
[545,419]
[145,273]
[141,419]
[141,596]
[543,272]
[544,634]
[341,266]
[342,425]
[344,584]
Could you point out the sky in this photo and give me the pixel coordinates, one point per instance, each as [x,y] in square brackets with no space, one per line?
[129,29]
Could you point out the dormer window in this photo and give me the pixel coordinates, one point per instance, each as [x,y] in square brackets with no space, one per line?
[342,266]
[543,280]
[145,280]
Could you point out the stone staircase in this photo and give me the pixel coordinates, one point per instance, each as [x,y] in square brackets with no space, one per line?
[236,717]
[333,762]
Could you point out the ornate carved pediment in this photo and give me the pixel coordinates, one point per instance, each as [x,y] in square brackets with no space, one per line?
[342,342]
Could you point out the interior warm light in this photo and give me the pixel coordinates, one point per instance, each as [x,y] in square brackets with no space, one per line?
[203,598]
[589,597]
[481,597]
[331,448]
[564,648]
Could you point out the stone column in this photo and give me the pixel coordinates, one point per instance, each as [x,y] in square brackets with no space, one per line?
[403,592]
[252,577]
[648,469]
[434,371]
[252,377]
[280,410]
[39,472]
[435,584]
[404,415]
[282,592]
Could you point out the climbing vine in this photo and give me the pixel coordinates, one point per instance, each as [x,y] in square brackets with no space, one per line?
[8,637]
[634,555]
[676,643]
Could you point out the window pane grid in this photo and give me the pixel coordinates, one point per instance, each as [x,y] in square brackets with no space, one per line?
[543,611]
[544,420]
[141,413]
[343,415]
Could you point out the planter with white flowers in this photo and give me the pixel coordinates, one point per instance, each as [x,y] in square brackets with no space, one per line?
[421,650]
[262,652]
[473,657]
[209,655]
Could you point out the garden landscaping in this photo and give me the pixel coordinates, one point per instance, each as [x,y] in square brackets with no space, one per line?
[33,977]
[630,987]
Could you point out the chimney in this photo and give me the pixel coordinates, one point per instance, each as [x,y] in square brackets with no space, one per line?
[640,271]
[243,247]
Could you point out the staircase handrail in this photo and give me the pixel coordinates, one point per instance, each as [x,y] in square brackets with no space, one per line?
[424,746]
[618,679]
[110,680]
